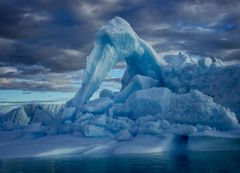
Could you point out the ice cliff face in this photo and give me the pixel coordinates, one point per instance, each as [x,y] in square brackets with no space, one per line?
[177,94]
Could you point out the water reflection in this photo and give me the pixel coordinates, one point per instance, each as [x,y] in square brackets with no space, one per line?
[166,162]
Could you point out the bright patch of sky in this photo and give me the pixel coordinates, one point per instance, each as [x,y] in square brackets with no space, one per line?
[12,98]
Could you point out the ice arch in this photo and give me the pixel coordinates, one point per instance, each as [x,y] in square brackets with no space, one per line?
[117,41]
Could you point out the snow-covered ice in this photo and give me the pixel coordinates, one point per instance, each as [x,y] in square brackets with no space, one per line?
[164,103]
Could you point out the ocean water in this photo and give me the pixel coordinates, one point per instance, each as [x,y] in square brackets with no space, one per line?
[191,162]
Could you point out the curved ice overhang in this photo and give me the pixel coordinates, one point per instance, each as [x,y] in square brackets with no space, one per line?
[117,41]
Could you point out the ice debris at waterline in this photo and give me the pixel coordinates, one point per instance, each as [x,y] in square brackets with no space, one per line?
[163,101]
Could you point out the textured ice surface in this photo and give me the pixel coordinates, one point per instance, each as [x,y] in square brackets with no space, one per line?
[137,83]
[176,101]
[116,41]
[208,75]
[191,108]
[98,105]
[33,112]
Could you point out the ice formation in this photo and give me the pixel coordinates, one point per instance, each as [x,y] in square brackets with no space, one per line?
[162,99]
[117,41]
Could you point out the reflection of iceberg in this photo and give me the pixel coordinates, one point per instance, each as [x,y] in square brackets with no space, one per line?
[161,98]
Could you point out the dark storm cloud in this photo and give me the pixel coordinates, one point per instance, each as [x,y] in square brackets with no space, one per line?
[11,84]
[37,78]
[58,35]
[218,44]
[40,32]
[206,28]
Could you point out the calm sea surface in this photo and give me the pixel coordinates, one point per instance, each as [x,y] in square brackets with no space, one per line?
[202,162]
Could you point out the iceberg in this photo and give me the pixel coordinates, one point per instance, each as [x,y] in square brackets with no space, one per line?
[33,112]
[98,105]
[138,83]
[117,41]
[94,131]
[208,75]
[192,108]
[175,101]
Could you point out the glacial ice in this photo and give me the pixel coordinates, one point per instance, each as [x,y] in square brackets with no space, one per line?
[98,105]
[106,93]
[192,108]
[124,135]
[117,41]
[94,131]
[207,75]
[161,100]
[27,113]
[67,113]
[138,83]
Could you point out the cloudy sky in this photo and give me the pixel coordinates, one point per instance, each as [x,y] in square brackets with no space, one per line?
[44,43]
